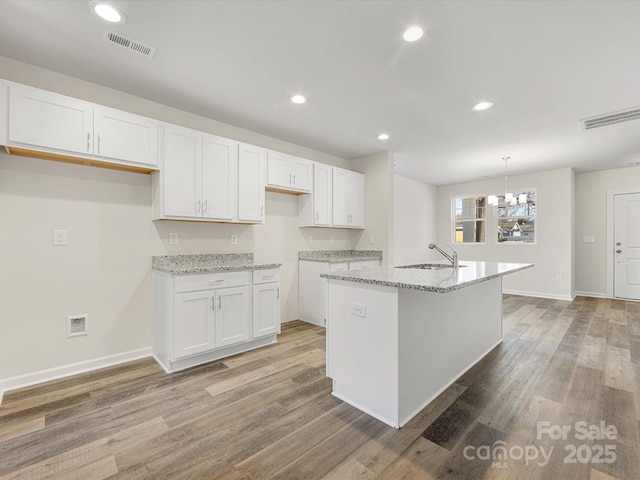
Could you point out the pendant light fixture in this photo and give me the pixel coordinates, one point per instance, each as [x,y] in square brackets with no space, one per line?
[509,198]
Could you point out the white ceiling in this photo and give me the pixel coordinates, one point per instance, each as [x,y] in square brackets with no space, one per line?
[545,65]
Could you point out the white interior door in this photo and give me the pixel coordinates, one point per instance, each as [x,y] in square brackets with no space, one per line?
[626,280]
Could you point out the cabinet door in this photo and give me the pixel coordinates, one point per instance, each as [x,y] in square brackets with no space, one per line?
[251,183]
[125,136]
[219,178]
[194,323]
[233,309]
[301,174]
[182,171]
[356,199]
[4,111]
[266,309]
[45,119]
[340,198]
[278,172]
[322,201]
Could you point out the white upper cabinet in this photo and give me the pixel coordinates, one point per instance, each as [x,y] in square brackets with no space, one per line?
[181,174]
[45,119]
[203,177]
[288,173]
[251,183]
[338,199]
[63,126]
[219,178]
[125,136]
[348,199]
[199,176]
[4,111]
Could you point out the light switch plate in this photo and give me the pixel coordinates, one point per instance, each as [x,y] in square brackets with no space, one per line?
[234,239]
[588,239]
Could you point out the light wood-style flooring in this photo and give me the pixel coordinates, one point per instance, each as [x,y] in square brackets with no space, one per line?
[269,413]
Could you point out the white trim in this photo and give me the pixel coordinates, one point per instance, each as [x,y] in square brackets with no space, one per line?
[610,226]
[551,296]
[580,293]
[21,381]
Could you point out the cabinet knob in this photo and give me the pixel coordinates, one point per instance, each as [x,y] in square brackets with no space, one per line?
[618,251]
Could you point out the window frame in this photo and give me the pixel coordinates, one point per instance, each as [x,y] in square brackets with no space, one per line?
[454,220]
[497,217]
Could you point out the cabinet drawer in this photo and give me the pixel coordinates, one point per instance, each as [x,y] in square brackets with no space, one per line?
[364,264]
[339,267]
[210,281]
[266,276]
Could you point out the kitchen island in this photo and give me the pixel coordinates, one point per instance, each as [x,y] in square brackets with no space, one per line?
[398,337]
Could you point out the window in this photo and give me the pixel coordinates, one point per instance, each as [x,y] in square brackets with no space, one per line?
[470,213]
[516,220]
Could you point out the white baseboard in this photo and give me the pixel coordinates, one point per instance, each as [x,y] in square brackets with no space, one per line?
[591,294]
[21,381]
[551,296]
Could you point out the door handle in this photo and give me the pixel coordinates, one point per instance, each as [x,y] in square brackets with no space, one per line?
[219,302]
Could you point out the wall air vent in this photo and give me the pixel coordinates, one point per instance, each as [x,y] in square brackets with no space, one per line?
[129,44]
[610,119]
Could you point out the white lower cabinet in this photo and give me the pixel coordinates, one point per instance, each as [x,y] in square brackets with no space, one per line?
[266,302]
[194,323]
[312,293]
[203,317]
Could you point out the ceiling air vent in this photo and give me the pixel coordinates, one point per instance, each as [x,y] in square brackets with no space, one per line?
[610,119]
[129,44]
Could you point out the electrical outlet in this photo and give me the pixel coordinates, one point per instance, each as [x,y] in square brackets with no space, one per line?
[558,278]
[309,239]
[333,239]
[77,325]
[359,310]
[234,239]
[60,238]
[372,239]
[173,238]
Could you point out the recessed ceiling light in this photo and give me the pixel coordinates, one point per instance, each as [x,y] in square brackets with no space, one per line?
[108,13]
[413,34]
[383,136]
[298,98]
[478,107]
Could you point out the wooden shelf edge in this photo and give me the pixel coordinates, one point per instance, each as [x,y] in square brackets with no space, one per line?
[24,152]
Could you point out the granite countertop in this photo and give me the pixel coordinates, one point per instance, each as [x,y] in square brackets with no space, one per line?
[340,256]
[208,263]
[440,281]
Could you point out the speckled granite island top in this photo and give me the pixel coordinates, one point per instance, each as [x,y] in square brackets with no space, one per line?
[340,256]
[440,281]
[207,263]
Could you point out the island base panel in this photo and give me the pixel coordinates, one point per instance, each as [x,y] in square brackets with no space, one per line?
[409,346]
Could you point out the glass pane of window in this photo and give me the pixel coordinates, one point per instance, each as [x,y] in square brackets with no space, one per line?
[516,229]
[469,219]
[469,231]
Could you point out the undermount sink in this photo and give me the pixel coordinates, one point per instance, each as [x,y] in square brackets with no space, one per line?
[431,266]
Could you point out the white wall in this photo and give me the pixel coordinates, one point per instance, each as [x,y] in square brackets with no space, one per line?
[591,219]
[553,251]
[105,271]
[415,212]
[379,205]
